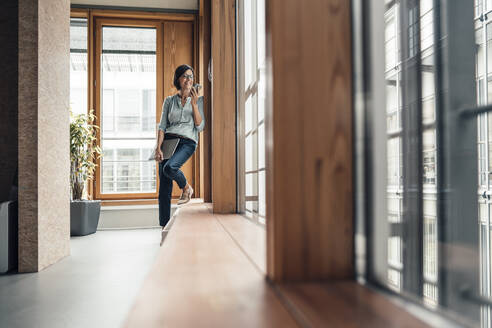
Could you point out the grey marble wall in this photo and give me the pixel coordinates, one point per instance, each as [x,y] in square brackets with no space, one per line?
[44,85]
[8,95]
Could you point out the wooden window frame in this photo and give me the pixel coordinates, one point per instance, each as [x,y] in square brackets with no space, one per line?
[96,18]
[99,23]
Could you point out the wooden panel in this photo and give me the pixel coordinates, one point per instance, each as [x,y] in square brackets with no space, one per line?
[309,141]
[197,66]
[178,50]
[206,137]
[143,15]
[201,278]
[224,107]
[344,304]
[159,92]
[79,13]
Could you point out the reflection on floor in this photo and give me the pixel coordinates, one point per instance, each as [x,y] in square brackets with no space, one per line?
[94,287]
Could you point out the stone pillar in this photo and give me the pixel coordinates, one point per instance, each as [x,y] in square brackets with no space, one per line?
[43,129]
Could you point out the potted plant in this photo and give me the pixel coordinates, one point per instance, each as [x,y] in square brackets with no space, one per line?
[84,213]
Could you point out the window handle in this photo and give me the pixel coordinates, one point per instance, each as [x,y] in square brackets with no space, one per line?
[483,17]
[486,195]
[467,294]
[469,112]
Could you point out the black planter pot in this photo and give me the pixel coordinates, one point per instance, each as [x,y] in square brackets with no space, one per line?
[84,217]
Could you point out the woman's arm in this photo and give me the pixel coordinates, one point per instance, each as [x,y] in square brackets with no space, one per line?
[197,113]
[159,156]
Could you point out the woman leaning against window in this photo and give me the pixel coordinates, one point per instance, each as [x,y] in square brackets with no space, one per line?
[182,118]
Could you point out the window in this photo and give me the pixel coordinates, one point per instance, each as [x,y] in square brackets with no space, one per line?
[427,224]
[120,68]
[78,65]
[128,82]
[251,108]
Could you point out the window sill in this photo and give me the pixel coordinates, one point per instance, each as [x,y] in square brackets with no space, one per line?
[211,269]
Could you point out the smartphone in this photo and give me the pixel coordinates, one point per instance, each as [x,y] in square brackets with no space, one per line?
[197,87]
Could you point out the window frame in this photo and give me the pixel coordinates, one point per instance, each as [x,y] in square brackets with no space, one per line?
[100,23]
[132,19]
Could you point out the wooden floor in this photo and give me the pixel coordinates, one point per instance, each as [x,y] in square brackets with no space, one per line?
[210,273]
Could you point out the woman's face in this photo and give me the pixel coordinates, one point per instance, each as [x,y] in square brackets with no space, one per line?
[186,80]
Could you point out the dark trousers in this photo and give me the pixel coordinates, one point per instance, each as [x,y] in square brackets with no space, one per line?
[169,170]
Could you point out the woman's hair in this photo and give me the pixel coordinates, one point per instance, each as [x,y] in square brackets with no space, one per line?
[180,71]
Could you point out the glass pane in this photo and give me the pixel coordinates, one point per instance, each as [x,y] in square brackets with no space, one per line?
[479,48]
[261,146]
[261,95]
[391,46]
[481,92]
[251,184]
[489,52]
[426,24]
[430,252]
[428,90]
[249,51]
[479,7]
[392,105]
[393,158]
[250,209]
[482,168]
[78,65]
[249,151]
[261,194]
[260,28]
[248,115]
[429,156]
[128,108]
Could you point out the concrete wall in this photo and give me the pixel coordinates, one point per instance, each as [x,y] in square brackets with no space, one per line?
[167,4]
[44,165]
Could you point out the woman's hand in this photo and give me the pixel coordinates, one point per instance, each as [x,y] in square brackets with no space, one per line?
[159,156]
[194,96]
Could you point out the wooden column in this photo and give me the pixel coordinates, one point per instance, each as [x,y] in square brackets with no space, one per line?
[309,141]
[223,106]
[206,137]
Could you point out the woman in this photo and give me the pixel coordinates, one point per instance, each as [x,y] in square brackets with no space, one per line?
[182,117]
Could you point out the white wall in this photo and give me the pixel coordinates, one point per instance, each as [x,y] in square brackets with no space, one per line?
[131,216]
[167,4]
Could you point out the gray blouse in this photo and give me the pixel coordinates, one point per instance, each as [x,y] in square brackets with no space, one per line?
[178,119]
